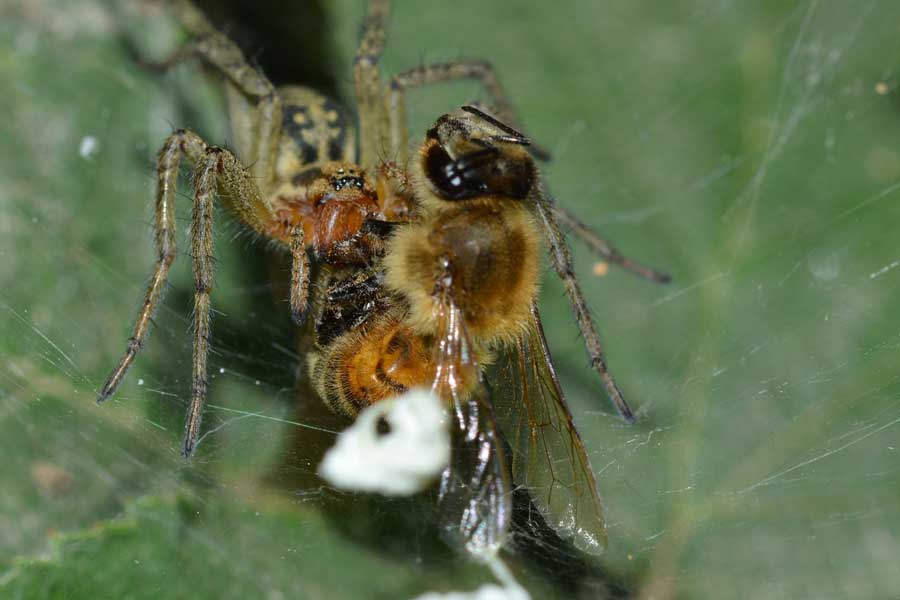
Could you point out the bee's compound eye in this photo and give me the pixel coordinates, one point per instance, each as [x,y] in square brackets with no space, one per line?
[484,171]
[451,178]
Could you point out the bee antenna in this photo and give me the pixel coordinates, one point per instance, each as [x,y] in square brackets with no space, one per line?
[514,137]
[511,140]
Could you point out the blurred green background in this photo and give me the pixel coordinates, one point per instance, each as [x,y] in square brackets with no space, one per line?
[748,148]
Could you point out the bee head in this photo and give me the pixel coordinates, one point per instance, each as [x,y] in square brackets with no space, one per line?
[469,154]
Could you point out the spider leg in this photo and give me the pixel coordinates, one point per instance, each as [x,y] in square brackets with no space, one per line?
[217,171]
[605,249]
[562,263]
[367,81]
[164,226]
[202,263]
[248,90]
[299,275]
[424,75]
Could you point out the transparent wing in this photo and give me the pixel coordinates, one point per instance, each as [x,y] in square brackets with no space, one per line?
[547,455]
[475,493]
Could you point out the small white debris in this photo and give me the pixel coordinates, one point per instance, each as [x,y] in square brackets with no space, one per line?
[489,591]
[400,461]
[221,370]
[509,590]
[140,382]
[88,147]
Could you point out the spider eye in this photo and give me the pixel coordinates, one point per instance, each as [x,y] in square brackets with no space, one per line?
[478,173]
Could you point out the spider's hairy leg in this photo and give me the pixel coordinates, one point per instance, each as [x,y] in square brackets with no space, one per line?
[256,134]
[191,18]
[299,275]
[562,264]
[367,82]
[217,171]
[424,75]
[437,73]
[164,235]
[202,253]
[606,250]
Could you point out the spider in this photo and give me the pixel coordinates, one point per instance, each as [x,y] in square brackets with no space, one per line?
[299,178]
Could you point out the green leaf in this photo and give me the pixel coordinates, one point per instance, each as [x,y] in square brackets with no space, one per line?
[749,149]
[170,548]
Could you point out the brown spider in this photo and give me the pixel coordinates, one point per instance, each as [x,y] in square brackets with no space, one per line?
[306,186]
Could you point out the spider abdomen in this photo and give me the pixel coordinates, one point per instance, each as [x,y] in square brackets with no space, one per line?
[315,130]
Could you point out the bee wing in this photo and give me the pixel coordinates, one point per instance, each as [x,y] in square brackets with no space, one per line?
[475,495]
[547,455]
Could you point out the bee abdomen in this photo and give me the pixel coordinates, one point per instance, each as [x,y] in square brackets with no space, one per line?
[363,366]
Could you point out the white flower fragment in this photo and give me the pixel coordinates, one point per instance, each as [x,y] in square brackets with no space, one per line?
[401,461]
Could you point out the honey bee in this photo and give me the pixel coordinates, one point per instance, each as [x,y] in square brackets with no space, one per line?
[454,296]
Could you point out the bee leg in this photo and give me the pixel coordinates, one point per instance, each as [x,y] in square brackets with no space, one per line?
[605,249]
[562,263]
[437,73]
[367,81]
[299,275]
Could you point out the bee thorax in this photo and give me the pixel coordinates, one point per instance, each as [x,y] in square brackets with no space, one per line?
[485,258]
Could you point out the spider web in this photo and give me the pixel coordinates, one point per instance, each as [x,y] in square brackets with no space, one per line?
[749,149]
